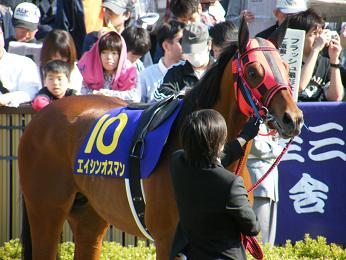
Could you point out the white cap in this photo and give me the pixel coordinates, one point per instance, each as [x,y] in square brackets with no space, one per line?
[291,6]
[26,15]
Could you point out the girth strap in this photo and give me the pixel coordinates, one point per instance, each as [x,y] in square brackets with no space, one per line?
[150,119]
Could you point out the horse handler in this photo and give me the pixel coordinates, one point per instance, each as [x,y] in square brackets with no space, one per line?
[212,202]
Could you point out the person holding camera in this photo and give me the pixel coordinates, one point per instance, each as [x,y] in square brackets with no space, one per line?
[320,76]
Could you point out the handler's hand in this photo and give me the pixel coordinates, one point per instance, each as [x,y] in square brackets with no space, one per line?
[250,129]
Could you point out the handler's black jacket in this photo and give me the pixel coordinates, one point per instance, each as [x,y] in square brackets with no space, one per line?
[213,209]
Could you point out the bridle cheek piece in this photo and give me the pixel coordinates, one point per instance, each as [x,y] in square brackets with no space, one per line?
[255,100]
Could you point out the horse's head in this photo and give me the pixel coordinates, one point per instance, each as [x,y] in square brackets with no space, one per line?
[262,83]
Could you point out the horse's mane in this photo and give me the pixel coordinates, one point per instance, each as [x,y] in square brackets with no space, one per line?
[207,90]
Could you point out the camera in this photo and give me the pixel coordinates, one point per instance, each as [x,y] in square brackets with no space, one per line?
[332,34]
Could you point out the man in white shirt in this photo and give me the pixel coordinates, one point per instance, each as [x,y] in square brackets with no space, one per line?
[169,36]
[19,77]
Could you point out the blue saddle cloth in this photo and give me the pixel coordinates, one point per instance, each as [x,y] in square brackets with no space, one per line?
[105,150]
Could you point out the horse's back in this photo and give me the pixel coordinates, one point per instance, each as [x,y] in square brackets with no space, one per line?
[65,118]
[51,139]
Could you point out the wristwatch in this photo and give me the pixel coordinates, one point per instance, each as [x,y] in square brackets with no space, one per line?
[332,65]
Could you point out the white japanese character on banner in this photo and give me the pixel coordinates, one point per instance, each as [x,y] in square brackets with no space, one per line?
[318,151]
[335,142]
[309,195]
[293,150]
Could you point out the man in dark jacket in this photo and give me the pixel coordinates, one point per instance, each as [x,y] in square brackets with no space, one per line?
[212,202]
[196,52]
[70,17]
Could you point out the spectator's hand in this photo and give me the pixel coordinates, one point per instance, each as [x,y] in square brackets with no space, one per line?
[250,129]
[321,41]
[104,92]
[343,37]
[102,32]
[105,30]
[248,16]
[4,100]
[334,49]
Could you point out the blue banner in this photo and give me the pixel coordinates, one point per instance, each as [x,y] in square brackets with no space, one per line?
[312,177]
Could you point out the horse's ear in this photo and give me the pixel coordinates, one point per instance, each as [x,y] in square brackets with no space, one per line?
[243,37]
[278,35]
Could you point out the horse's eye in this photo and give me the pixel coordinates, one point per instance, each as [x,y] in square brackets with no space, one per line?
[251,74]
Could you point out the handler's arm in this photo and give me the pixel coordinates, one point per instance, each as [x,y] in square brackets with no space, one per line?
[240,209]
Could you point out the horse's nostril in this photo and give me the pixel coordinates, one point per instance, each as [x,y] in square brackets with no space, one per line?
[287,119]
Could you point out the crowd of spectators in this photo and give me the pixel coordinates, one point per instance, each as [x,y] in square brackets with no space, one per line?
[181,60]
[105,48]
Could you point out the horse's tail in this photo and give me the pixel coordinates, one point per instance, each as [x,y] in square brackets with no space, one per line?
[26,236]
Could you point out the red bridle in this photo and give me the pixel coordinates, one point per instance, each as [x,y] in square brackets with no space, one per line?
[256,99]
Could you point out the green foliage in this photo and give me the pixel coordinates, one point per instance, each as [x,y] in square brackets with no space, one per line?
[11,250]
[110,250]
[307,249]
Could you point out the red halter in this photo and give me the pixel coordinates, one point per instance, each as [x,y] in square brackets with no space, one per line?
[272,82]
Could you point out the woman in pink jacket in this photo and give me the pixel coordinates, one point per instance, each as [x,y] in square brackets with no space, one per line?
[106,70]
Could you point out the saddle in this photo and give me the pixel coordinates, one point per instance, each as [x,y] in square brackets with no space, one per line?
[153,116]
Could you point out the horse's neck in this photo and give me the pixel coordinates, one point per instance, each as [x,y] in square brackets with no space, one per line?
[227,104]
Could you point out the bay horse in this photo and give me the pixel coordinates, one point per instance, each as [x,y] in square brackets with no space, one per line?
[51,141]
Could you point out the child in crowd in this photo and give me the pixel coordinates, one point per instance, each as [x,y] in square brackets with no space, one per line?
[59,45]
[57,81]
[106,70]
[138,44]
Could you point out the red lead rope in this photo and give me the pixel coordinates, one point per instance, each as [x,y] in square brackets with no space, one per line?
[241,161]
[271,167]
[251,243]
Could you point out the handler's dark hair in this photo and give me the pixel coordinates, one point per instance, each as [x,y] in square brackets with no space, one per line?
[203,134]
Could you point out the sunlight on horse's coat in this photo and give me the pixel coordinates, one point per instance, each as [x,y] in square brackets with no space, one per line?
[51,142]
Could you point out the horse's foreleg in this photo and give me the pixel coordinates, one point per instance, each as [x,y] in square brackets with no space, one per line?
[161,214]
[88,229]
